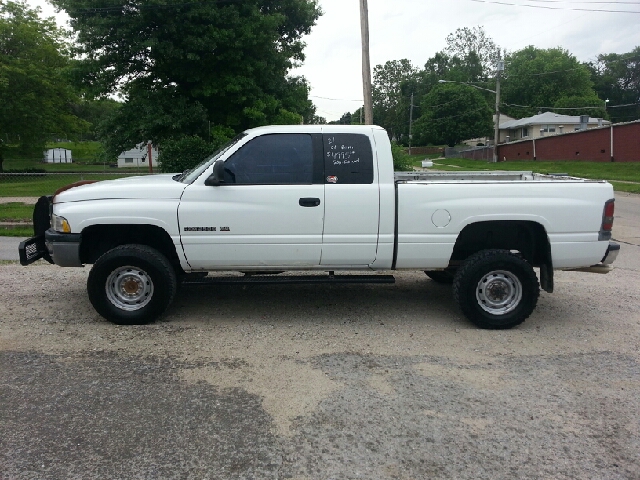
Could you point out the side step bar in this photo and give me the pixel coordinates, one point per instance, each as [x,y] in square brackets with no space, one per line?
[289,279]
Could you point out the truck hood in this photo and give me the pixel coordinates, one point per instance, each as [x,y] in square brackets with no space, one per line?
[150,186]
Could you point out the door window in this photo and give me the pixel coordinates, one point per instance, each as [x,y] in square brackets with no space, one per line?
[347,158]
[278,159]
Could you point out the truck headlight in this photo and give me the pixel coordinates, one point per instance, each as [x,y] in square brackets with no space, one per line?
[60,224]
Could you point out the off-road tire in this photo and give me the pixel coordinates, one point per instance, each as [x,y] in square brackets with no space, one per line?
[496,289]
[132,285]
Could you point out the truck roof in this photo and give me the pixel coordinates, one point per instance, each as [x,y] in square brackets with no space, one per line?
[312,129]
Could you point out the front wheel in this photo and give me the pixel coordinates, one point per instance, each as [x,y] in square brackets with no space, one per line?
[496,289]
[131,285]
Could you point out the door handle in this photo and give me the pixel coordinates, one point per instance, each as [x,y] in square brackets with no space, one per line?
[309,202]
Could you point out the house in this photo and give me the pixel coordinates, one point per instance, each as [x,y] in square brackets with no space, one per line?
[57,155]
[137,157]
[472,142]
[545,124]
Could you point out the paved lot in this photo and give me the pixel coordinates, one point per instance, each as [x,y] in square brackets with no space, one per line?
[322,382]
[9,248]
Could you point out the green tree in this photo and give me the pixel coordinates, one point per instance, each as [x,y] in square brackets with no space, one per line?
[392,96]
[452,113]
[178,155]
[616,77]
[535,80]
[345,119]
[35,96]
[474,45]
[95,113]
[184,65]
[591,105]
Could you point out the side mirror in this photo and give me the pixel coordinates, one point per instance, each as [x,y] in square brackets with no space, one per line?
[217,177]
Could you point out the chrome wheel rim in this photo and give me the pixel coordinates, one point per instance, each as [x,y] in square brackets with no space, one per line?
[129,288]
[499,292]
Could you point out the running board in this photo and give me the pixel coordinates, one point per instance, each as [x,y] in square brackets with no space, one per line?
[290,279]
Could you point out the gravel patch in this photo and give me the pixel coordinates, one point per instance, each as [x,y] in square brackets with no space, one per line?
[320,382]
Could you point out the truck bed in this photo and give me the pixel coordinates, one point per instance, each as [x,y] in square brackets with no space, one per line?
[490,177]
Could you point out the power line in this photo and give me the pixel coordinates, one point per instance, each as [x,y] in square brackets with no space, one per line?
[625,105]
[547,73]
[570,108]
[336,99]
[556,8]
[614,2]
[554,108]
[447,117]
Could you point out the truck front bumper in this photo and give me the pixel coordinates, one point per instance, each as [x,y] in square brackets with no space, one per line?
[63,249]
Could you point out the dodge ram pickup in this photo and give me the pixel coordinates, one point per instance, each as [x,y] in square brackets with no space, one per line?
[320,200]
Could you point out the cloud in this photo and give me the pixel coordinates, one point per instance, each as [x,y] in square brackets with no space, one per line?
[416,30]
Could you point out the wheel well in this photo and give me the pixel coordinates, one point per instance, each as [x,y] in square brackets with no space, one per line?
[99,239]
[528,238]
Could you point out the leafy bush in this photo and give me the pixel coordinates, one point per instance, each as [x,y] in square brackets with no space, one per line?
[186,152]
[401,160]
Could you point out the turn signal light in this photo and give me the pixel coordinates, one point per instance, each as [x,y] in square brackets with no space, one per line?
[607,217]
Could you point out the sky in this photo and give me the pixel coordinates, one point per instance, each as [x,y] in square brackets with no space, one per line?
[417,29]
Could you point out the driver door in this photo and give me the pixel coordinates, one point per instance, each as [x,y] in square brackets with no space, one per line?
[269,212]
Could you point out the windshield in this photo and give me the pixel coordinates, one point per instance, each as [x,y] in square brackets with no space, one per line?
[190,175]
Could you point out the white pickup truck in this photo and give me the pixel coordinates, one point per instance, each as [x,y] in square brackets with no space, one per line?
[319,199]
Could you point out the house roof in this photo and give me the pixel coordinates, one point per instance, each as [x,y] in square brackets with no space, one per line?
[548,118]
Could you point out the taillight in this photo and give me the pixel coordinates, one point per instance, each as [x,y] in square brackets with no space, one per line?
[607,217]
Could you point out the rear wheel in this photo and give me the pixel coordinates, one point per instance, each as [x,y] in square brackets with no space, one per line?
[131,284]
[496,289]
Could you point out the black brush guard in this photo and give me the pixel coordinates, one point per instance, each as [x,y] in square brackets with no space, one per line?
[35,248]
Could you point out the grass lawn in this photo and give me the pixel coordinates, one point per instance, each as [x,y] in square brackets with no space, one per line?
[83,150]
[24,232]
[37,185]
[16,212]
[79,166]
[11,212]
[87,157]
[24,164]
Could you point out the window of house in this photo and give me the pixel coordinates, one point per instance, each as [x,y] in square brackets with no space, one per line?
[128,160]
[348,158]
[525,132]
[278,159]
[549,128]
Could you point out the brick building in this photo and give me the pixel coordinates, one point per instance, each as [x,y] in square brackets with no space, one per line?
[615,143]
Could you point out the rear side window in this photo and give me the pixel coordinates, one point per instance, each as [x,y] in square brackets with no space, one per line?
[347,158]
[278,159]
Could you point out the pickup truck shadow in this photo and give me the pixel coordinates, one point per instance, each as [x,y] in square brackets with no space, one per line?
[413,297]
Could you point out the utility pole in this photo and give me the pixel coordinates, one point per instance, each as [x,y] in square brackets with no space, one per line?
[496,136]
[149,156]
[410,122]
[366,63]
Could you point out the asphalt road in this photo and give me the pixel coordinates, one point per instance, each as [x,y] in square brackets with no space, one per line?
[322,382]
